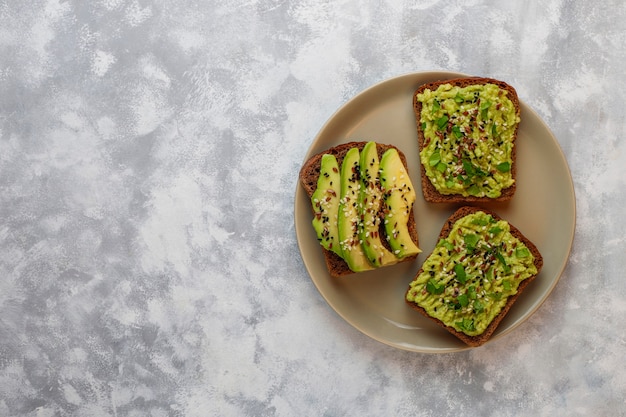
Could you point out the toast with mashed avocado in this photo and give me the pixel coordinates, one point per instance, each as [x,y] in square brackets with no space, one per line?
[478,269]
[362,202]
[467,128]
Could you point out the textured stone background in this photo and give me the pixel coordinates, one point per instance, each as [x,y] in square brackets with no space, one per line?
[148,160]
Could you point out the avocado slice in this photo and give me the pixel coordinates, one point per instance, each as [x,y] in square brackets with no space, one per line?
[349,214]
[398,197]
[370,202]
[325,201]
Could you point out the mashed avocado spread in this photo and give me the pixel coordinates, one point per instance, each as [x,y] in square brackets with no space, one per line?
[468,278]
[468,139]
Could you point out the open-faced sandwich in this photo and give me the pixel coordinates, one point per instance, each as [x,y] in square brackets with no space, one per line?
[467,128]
[362,202]
[476,272]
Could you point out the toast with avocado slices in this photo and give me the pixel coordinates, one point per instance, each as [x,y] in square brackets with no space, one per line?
[467,129]
[478,269]
[362,202]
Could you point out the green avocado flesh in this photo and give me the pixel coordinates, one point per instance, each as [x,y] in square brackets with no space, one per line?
[325,202]
[468,139]
[349,213]
[470,275]
[399,197]
[350,207]
[370,202]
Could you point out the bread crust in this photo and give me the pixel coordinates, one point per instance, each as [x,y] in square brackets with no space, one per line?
[309,174]
[430,192]
[538,261]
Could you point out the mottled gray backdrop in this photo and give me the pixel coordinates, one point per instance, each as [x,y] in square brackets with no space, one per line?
[149,153]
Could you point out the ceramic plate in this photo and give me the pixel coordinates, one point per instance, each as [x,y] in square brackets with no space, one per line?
[543,208]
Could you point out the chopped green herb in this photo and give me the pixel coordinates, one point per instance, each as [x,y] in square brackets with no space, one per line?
[478,306]
[481,221]
[463,300]
[454,306]
[441,167]
[522,252]
[468,167]
[471,292]
[504,167]
[458,98]
[495,230]
[484,108]
[457,131]
[466,324]
[445,244]
[506,267]
[460,273]
[489,274]
[436,106]
[506,284]
[442,122]
[470,240]
[435,158]
[434,288]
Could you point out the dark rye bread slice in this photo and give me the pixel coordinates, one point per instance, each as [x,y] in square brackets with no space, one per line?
[430,192]
[538,261]
[309,174]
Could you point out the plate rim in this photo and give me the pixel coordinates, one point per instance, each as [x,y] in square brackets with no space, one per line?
[442,74]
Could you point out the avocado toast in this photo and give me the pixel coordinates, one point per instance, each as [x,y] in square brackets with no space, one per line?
[467,128]
[362,202]
[474,275]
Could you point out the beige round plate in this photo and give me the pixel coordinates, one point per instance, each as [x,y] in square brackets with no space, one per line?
[543,208]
